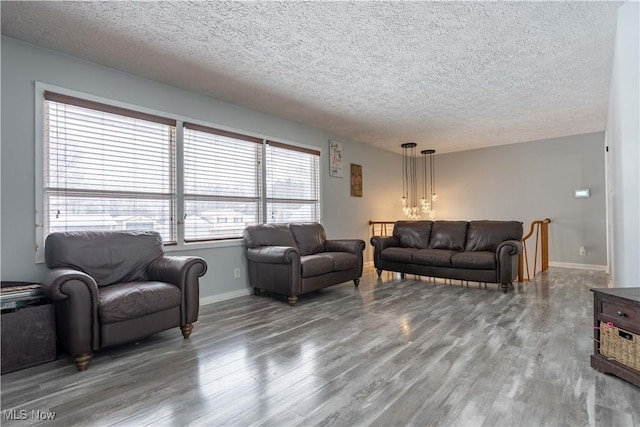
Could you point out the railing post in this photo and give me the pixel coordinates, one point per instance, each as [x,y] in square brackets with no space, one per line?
[541,228]
[545,244]
[520,267]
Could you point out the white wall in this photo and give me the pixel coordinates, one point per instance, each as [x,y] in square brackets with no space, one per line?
[530,181]
[488,183]
[23,64]
[623,138]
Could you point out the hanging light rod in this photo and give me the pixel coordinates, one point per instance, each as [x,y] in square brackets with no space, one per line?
[429,195]
[409,181]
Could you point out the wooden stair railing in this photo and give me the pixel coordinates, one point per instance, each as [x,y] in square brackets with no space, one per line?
[382,227]
[541,228]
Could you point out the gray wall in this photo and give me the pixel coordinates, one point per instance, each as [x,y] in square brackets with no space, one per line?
[23,64]
[524,181]
[623,138]
[530,181]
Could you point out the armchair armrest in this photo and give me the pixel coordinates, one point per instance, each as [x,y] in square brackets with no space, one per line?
[75,295]
[273,254]
[177,270]
[55,279]
[353,246]
[182,271]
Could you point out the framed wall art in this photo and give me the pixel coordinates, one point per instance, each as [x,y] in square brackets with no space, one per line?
[356,180]
[335,159]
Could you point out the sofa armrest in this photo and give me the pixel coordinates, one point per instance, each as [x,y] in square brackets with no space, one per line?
[273,254]
[382,242]
[75,295]
[354,246]
[507,258]
[509,247]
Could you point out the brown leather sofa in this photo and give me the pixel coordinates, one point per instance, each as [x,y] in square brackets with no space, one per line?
[295,259]
[480,251]
[115,287]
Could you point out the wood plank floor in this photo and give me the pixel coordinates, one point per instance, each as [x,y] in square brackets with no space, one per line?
[390,353]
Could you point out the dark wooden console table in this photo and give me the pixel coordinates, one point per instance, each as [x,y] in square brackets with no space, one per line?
[621,307]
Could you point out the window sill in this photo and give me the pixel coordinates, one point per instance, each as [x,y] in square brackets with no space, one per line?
[204,245]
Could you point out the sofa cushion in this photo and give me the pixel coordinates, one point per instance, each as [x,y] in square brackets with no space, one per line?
[315,265]
[124,301]
[433,257]
[413,234]
[487,235]
[268,235]
[450,235]
[342,260]
[395,254]
[481,260]
[107,256]
[309,237]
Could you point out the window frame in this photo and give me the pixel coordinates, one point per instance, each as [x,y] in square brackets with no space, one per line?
[181,244]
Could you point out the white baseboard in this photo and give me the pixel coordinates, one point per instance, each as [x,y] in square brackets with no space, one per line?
[225,296]
[578,266]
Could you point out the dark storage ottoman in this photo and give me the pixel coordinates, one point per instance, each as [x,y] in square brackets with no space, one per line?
[28,335]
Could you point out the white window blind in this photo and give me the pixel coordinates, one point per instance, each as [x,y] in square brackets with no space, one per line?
[293,183]
[107,168]
[222,183]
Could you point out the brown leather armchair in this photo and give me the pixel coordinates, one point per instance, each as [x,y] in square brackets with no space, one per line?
[114,287]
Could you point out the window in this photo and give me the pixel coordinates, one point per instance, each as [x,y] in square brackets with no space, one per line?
[293,187]
[222,183]
[107,168]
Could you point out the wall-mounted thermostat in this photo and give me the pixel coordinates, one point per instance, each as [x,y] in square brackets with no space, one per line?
[582,194]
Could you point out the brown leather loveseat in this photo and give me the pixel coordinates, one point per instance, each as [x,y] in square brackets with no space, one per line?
[112,287]
[295,259]
[480,251]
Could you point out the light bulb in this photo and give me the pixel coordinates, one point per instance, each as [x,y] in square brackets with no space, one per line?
[434,197]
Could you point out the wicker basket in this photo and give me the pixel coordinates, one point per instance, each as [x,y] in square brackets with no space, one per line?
[620,345]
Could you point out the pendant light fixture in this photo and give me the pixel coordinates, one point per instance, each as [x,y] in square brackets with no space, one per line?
[409,181]
[429,195]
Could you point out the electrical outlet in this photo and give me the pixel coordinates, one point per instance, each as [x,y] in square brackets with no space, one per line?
[583,251]
[236,273]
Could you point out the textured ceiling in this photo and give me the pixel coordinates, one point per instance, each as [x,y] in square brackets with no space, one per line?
[447,75]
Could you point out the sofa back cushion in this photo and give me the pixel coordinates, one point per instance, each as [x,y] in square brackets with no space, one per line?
[268,235]
[310,237]
[107,256]
[487,235]
[450,235]
[413,234]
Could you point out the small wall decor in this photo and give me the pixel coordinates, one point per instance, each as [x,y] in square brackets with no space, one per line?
[356,180]
[335,159]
